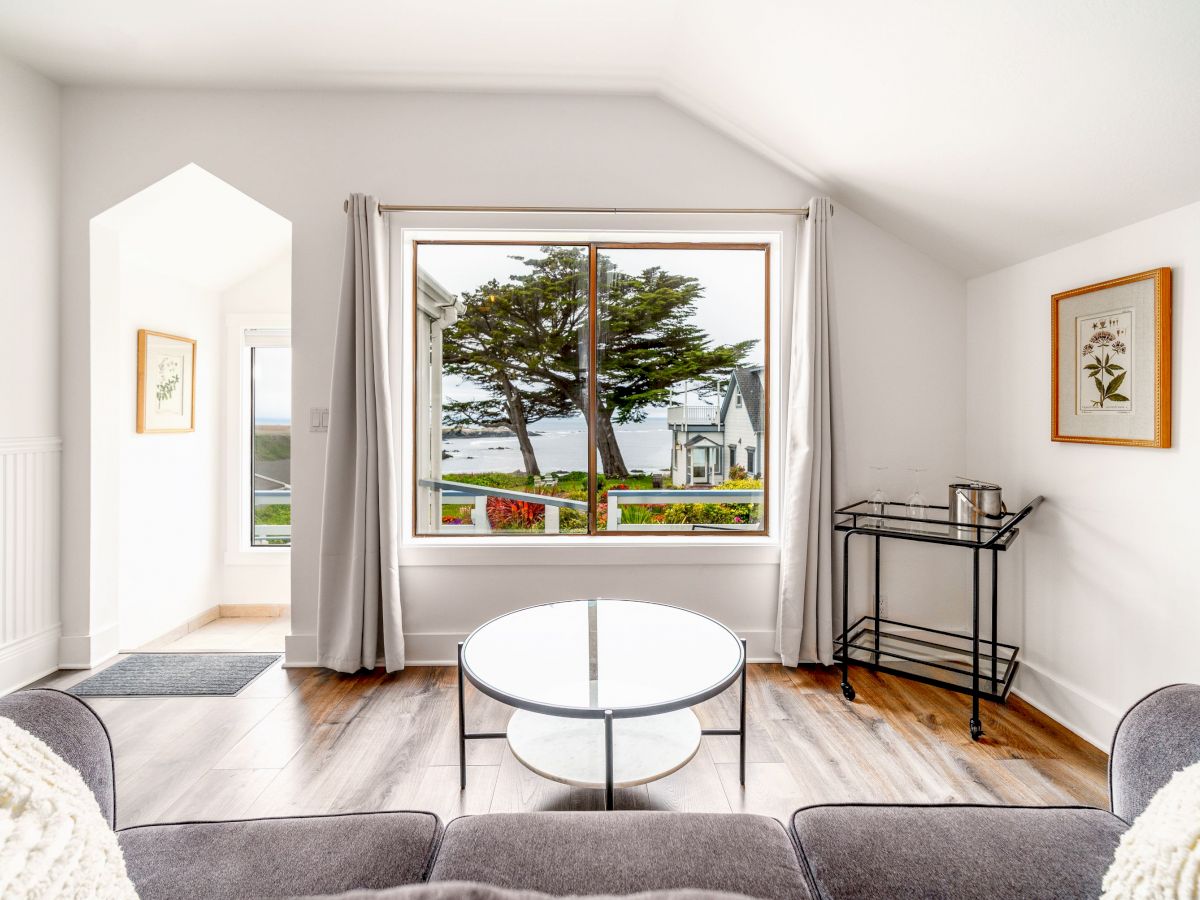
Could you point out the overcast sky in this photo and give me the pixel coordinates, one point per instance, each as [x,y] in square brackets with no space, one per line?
[729,310]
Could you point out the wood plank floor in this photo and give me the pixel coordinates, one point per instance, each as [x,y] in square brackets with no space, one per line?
[314,741]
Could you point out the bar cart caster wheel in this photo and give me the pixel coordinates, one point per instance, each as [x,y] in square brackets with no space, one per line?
[976,729]
[848,692]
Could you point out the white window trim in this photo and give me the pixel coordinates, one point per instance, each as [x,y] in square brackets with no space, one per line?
[238,551]
[574,549]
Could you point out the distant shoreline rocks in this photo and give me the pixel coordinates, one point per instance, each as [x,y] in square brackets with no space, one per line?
[461,432]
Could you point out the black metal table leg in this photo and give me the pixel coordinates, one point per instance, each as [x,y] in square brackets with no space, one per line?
[976,725]
[995,582]
[608,759]
[462,726]
[847,690]
[877,599]
[742,723]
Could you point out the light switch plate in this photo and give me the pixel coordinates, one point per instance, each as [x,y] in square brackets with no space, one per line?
[318,419]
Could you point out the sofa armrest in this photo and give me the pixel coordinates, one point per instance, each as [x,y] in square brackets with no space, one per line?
[70,728]
[1159,735]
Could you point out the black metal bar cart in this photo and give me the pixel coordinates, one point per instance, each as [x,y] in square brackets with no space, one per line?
[930,655]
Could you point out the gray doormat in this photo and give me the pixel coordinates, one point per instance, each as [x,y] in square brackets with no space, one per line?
[176,675]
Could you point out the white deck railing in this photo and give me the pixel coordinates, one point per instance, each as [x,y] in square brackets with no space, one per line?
[455,492]
[617,499]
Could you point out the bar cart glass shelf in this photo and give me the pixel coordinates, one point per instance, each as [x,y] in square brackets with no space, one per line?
[982,667]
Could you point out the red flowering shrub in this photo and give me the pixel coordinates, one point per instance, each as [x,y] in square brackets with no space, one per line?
[515,514]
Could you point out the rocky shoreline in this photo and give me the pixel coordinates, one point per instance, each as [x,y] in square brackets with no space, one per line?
[458,432]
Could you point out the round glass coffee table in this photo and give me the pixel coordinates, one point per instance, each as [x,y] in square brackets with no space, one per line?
[603,688]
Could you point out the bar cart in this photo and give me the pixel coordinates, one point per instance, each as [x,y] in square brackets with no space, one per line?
[943,658]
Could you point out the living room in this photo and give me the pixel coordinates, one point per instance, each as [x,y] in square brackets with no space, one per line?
[607,441]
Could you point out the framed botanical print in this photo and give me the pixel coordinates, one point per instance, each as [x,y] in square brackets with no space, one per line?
[1111,362]
[166,383]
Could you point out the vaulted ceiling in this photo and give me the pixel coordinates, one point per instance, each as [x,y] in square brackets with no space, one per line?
[983,133]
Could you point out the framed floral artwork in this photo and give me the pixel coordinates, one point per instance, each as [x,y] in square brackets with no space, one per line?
[166,383]
[1111,362]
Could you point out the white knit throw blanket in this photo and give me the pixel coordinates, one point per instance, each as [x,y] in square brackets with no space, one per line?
[54,841]
[1159,856]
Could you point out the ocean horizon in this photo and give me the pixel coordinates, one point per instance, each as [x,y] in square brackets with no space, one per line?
[561,446]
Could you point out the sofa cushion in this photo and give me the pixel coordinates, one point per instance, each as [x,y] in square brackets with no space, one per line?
[956,852]
[622,853]
[70,728]
[467,890]
[283,857]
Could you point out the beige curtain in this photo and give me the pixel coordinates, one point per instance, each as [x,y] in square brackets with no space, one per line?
[804,626]
[358,612]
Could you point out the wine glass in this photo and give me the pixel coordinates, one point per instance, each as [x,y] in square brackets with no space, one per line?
[878,501]
[916,500]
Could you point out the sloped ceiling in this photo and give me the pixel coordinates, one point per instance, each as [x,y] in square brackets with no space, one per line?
[983,133]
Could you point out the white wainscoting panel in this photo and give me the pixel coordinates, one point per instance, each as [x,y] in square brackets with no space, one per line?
[29,552]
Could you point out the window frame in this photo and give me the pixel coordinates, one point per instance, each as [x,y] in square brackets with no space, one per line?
[239,546]
[410,240]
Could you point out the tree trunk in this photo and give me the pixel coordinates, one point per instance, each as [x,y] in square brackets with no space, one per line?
[516,417]
[606,445]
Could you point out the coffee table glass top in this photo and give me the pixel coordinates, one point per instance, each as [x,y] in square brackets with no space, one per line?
[580,657]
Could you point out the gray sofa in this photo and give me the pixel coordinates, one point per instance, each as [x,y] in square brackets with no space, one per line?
[831,851]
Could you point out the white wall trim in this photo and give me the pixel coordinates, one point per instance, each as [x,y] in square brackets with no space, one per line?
[28,659]
[30,550]
[86,651]
[30,444]
[586,551]
[1077,710]
[441,648]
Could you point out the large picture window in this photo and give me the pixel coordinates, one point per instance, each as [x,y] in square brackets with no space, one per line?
[590,388]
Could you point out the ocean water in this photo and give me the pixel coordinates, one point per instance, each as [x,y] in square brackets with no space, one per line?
[561,445]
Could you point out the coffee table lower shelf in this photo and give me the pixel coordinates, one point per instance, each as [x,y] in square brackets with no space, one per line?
[929,655]
[571,751]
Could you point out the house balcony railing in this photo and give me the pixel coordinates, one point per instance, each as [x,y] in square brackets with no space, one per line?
[456,493]
[692,415]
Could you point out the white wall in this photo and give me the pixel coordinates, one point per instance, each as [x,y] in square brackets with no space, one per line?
[302,153]
[29,374]
[29,166]
[169,523]
[1106,595]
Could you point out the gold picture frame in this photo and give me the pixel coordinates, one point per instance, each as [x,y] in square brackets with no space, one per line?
[166,383]
[1110,362]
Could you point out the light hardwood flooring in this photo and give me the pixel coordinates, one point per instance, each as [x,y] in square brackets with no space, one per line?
[313,741]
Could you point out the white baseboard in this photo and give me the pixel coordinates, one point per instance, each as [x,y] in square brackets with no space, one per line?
[86,651]
[28,659]
[1072,707]
[441,648]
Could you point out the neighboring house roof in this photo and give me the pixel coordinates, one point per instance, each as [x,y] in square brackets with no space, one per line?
[749,385]
[702,439]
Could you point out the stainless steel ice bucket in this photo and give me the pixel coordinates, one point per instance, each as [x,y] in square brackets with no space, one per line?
[976,503]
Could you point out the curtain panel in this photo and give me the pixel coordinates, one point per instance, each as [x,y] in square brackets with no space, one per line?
[804,625]
[358,596]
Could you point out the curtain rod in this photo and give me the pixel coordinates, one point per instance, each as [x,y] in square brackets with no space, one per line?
[801,211]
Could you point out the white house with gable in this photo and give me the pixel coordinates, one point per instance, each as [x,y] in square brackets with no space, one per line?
[707,440]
